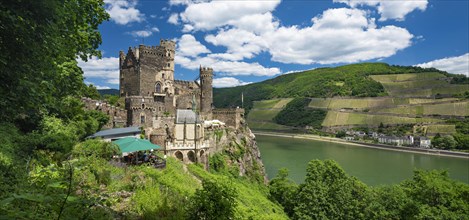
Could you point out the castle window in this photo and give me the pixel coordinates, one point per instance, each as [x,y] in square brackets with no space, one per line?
[169,64]
[143,106]
[158,87]
[176,91]
[163,75]
[142,119]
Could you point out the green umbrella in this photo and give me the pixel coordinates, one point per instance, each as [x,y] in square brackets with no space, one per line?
[133,144]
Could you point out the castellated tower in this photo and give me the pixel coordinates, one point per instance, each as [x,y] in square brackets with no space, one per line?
[206,93]
[147,69]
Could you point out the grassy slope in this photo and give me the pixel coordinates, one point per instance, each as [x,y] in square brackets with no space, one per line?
[162,194]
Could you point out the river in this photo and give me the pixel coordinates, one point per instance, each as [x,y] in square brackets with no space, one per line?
[371,166]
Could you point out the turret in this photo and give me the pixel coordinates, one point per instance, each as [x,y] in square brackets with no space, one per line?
[206,94]
[121,59]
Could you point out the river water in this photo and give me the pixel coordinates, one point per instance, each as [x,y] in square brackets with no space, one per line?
[371,166]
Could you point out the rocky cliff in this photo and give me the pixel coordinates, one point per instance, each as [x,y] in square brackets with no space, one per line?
[235,151]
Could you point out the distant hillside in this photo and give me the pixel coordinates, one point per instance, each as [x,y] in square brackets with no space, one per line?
[103,92]
[350,80]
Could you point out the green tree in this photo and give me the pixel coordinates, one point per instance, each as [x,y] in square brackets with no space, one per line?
[340,134]
[40,41]
[282,189]
[328,193]
[437,196]
[444,142]
[216,200]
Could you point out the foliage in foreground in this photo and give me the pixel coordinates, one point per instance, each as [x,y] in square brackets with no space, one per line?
[328,193]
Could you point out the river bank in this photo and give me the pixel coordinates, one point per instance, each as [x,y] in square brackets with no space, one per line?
[368,145]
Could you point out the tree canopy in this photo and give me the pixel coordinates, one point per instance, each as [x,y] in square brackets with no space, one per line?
[40,43]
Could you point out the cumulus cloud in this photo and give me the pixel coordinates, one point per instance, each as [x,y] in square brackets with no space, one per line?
[106,68]
[240,44]
[337,36]
[246,29]
[123,11]
[189,46]
[455,65]
[390,9]
[223,12]
[173,18]
[230,68]
[144,33]
[228,82]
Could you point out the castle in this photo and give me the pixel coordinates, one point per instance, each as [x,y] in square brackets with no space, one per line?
[171,112]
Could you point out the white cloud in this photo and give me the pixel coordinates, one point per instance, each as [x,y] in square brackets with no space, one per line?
[143,33]
[246,29]
[102,87]
[223,12]
[230,68]
[106,68]
[228,82]
[390,9]
[455,65]
[240,44]
[173,18]
[123,11]
[189,46]
[337,36]
[184,2]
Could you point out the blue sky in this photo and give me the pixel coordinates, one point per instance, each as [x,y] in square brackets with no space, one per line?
[251,41]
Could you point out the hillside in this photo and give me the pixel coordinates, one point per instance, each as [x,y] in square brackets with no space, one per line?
[401,97]
[350,80]
[103,92]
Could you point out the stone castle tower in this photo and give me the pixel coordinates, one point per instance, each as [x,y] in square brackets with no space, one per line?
[206,94]
[150,90]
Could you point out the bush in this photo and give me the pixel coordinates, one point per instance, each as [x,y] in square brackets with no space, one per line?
[216,200]
[96,148]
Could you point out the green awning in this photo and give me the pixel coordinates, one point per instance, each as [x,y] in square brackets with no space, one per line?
[132,144]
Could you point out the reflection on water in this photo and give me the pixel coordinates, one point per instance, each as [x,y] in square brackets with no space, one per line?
[372,166]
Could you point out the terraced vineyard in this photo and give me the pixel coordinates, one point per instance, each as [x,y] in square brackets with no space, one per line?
[440,129]
[370,103]
[456,109]
[260,117]
[335,118]
[424,98]
[419,85]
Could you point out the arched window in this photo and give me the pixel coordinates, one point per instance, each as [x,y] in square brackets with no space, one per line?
[158,87]
[142,119]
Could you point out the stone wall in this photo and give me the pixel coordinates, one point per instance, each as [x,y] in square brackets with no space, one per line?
[117,115]
[232,117]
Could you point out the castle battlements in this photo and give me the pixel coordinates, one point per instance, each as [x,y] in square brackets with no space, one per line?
[183,82]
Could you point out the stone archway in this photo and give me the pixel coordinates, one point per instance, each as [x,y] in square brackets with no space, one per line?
[179,155]
[202,157]
[191,156]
